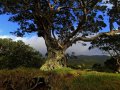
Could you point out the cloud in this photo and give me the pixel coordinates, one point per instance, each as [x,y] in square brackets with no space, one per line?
[34,41]
[79,49]
[39,44]
[106,3]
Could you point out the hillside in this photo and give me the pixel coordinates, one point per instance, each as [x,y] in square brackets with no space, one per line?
[87,61]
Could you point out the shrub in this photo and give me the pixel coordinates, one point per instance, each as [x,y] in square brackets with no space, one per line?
[15,54]
[113,64]
[97,67]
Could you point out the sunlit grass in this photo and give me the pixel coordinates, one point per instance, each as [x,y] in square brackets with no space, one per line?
[64,79]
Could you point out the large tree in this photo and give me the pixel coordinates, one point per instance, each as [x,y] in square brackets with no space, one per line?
[60,22]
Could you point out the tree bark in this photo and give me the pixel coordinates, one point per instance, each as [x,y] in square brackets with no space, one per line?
[118,64]
[56,56]
[55,60]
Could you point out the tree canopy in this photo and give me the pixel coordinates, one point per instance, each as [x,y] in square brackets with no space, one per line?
[59,19]
[15,54]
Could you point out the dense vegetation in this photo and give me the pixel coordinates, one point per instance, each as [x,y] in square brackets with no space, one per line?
[15,54]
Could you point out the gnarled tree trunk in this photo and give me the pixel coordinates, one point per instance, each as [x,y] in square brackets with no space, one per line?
[56,58]
[118,64]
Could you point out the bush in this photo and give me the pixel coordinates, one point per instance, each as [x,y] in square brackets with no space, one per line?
[97,67]
[113,64]
[15,54]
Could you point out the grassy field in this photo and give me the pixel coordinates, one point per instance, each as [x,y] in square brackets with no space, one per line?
[62,79]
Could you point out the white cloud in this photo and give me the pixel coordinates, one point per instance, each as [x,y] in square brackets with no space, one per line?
[79,49]
[106,3]
[39,44]
[34,41]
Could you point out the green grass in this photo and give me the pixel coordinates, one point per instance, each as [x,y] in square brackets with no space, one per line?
[96,81]
[62,79]
[92,80]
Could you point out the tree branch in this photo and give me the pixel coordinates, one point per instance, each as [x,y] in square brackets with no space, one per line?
[81,23]
[86,39]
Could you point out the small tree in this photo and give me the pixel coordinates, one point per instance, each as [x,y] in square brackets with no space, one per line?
[15,54]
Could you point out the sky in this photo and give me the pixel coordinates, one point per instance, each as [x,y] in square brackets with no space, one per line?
[38,43]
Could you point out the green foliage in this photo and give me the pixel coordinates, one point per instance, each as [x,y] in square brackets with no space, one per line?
[97,67]
[112,64]
[56,16]
[86,62]
[114,13]
[109,44]
[15,54]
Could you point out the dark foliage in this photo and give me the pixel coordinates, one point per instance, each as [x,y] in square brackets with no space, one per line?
[109,44]
[96,66]
[15,54]
[57,16]
[113,64]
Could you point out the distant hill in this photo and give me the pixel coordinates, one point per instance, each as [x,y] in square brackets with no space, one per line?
[87,61]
